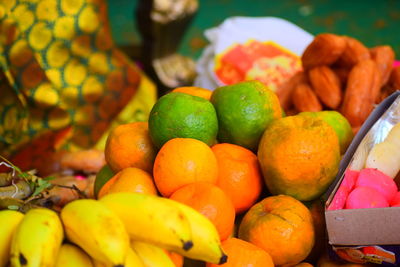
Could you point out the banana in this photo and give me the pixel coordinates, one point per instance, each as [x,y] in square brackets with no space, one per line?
[9,219]
[96,229]
[206,241]
[149,219]
[37,239]
[132,260]
[72,256]
[151,255]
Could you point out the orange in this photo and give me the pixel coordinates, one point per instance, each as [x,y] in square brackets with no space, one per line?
[339,123]
[180,115]
[129,180]
[282,226]
[196,91]
[239,174]
[182,161]
[176,258]
[212,202]
[299,156]
[129,145]
[244,110]
[241,253]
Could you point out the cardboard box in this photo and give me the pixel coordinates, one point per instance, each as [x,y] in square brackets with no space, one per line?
[366,235]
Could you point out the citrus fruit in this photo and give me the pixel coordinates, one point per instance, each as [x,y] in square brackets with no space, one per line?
[299,156]
[339,123]
[241,253]
[182,161]
[196,91]
[181,115]
[239,174]
[129,145]
[244,110]
[102,177]
[212,202]
[176,258]
[129,180]
[282,226]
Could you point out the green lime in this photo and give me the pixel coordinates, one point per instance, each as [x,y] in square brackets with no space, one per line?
[338,122]
[179,115]
[244,110]
[102,178]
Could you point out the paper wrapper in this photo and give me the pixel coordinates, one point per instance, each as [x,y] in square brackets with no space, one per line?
[364,235]
[248,48]
[373,131]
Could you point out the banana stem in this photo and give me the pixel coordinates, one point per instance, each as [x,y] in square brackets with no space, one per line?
[7,202]
[18,189]
[5,179]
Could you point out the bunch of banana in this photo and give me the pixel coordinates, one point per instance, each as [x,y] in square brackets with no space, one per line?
[9,222]
[168,224]
[119,230]
[37,239]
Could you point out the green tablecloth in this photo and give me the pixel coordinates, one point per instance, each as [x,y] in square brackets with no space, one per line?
[373,22]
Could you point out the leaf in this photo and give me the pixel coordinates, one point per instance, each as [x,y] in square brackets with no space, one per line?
[41,186]
[49,178]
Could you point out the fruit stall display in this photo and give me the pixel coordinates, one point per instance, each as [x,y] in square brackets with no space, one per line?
[230,177]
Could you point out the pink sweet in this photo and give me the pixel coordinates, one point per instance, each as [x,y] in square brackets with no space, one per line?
[339,200]
[350,179]
[379,181]
[364,198]
[396,200]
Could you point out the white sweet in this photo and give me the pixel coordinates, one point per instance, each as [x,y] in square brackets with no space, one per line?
[385,156]
[393,136]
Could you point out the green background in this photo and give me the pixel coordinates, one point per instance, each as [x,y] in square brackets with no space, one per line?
[373,22]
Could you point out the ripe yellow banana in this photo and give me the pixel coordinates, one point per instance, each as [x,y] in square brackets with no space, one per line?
[132,260]
[72,256]
[151,256]
[9,219]
[97,230]
[149,219]
[206,241]
[37,239]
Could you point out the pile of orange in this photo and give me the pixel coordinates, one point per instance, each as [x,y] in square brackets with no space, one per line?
[247,173]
